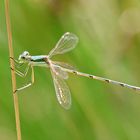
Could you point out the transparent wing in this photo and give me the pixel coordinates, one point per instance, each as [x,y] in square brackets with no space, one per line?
[64,65]
[66,43]
[58,71]
[62,90]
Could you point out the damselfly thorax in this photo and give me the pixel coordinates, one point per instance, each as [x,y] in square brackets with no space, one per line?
[41,60]
[38,60]
[59,70]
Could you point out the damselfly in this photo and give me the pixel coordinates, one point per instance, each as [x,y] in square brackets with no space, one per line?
[59,70]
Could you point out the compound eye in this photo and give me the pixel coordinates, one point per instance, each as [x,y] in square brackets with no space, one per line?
[26,53]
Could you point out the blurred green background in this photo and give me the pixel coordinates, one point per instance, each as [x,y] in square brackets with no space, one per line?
[109,46]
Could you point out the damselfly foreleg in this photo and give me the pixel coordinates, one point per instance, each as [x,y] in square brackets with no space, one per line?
[17,64]
[23,75]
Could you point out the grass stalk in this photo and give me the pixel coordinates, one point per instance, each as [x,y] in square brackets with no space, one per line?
[11,54]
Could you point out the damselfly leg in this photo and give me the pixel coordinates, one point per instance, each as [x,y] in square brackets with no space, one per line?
[17,64]
[30,83]
[24,74]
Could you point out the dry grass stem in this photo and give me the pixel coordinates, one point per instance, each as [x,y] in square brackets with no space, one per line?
[15,97]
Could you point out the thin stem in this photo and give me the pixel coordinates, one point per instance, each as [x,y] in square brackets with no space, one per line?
[15,97]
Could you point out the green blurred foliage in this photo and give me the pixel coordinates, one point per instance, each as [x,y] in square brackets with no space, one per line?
[109,41]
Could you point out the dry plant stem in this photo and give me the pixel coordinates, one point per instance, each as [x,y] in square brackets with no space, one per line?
[15,97]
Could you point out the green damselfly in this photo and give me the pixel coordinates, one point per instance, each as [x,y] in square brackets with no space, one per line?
[59,70]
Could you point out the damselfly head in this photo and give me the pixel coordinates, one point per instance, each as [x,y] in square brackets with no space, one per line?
[24,57]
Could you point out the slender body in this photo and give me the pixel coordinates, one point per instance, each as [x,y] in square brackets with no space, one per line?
[59,70]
